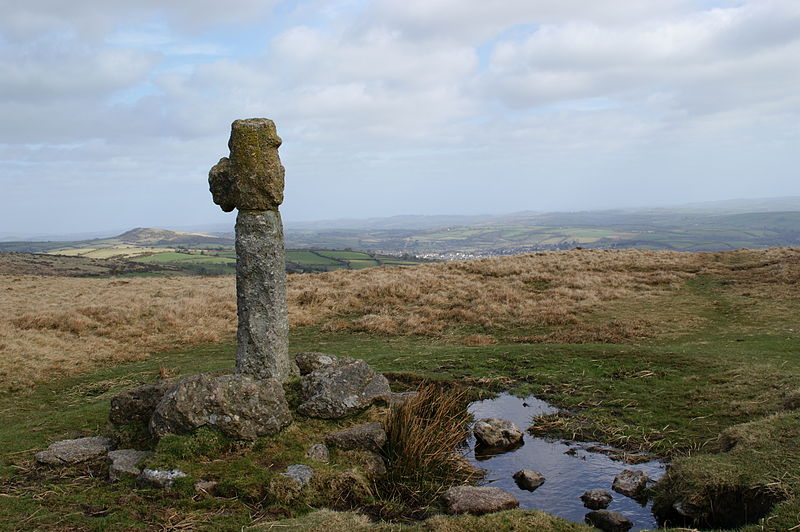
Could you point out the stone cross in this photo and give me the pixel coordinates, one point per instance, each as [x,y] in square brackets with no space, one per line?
[251,180]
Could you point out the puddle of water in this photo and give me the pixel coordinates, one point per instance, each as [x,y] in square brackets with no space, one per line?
[567,476]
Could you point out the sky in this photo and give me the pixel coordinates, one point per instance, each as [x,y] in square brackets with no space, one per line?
[113,111]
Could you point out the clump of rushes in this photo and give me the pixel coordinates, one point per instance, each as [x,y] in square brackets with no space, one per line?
[424,434]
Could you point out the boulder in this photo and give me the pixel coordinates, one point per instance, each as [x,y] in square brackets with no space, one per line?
[156,478]
[366,437]
[138,404]
[596,499]
[300,473]
[630,483]
[528,480]
[478,500]
[75,451]
[309,361]
[342,389]
[318,452]
[125,462]
[608,521]
[237,405]
[497,433]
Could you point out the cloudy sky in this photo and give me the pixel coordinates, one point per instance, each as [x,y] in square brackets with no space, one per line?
[113,111]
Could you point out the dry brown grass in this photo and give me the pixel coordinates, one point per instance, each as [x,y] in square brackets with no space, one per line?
[54,326]
[58,325]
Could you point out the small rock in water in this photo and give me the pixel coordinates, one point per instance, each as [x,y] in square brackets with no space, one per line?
[74,451]
[478,500]
[630,483]
[366,437]
[155,478]
[596,499]
[528,480]
[125,462]
[300,473]
[608,521]
[497,433]
[318,452]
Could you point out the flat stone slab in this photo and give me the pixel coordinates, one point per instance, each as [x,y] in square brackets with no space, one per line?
[159,479]
[237,405]
[365,437]
[608,521]
[75,451]
[478,500]
[125,462]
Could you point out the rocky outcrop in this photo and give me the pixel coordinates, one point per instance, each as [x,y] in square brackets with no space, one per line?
[75,451]
[528,480]
[596,499]
[478,500]
[497,433]
[366,437]
[138,404]
[630,483]
[125,462]
[237,405]
[608,521]
[342,389]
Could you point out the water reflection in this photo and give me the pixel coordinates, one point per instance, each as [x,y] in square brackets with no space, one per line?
[570,469]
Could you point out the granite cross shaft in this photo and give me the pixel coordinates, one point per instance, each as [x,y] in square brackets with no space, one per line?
[251,180]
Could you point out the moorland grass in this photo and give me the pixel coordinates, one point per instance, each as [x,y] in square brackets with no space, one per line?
[708,379]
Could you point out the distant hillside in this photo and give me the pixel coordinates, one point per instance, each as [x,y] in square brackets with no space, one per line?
[145,236]
[63,266]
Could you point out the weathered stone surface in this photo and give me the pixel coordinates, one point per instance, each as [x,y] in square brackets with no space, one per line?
[497,433]
[237,405]
[300,473]
[478,500]
[309,361]
[398,398]
[366,437]
[125,462]
[374,465]
[75,451]
[342,389]
[528,480]
[138,404]
[319,453]
[252,178]
[630,483]
[263,346]
[596,499]
[156,478]
[608,521]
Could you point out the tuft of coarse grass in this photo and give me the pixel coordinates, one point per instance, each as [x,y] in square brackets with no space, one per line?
[424,434]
